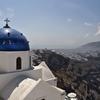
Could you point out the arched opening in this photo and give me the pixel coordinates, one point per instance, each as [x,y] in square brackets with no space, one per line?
[18,63]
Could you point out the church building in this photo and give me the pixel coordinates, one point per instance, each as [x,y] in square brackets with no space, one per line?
[19,80]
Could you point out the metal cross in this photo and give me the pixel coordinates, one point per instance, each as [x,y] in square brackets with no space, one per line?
[7,21]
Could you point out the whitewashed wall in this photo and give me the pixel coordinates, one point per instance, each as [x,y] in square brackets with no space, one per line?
[8,60]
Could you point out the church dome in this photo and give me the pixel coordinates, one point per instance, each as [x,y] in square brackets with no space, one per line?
[12,40]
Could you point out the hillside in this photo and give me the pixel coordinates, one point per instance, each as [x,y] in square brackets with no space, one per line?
[76,70]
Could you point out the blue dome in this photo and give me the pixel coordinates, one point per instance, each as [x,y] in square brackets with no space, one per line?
[12,40]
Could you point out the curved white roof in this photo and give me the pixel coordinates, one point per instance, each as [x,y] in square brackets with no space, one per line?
[18,87]
[23,89]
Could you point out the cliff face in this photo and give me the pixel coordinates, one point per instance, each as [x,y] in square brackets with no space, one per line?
[80,76]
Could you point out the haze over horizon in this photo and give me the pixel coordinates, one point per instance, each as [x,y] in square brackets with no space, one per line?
[54,23]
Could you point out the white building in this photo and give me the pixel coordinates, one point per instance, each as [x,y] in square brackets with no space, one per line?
[18,79]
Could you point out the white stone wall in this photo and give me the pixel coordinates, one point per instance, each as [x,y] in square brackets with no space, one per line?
[8,60]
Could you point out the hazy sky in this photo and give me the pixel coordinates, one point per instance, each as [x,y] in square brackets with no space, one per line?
[54,23]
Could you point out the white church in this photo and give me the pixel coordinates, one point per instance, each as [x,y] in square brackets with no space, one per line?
[19,80]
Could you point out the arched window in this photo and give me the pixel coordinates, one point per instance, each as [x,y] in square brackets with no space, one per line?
[18,63]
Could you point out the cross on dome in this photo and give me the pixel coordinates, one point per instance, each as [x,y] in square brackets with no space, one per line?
[7,21]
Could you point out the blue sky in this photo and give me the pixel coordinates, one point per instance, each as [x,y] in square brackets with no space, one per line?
[54,23]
